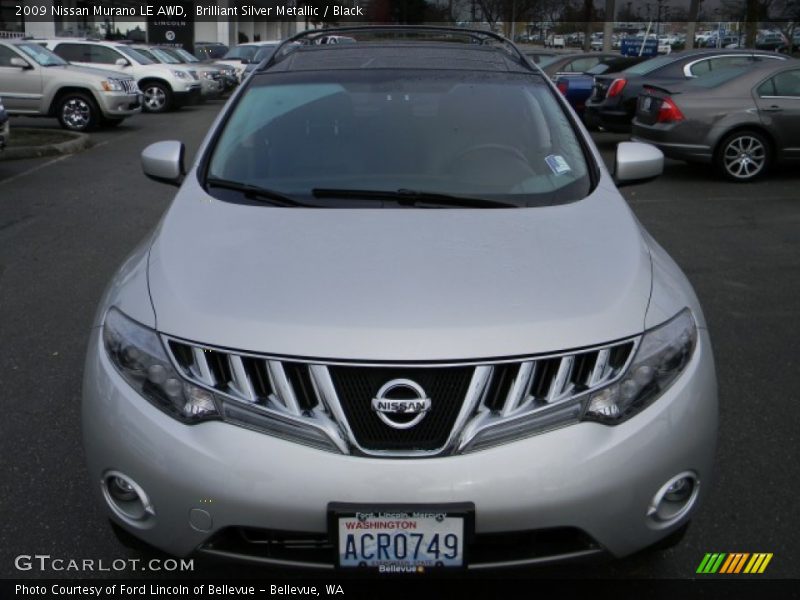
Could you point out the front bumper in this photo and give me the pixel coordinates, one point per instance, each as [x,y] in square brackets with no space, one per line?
[592,478]
[119,105]
[210,88]
[616,121]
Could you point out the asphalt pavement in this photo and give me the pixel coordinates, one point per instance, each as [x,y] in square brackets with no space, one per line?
[67,223]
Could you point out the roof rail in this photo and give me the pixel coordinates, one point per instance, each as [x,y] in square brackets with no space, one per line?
[477,36]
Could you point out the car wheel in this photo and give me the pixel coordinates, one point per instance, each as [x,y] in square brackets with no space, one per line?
[157,97]
[77,112]
[743,156]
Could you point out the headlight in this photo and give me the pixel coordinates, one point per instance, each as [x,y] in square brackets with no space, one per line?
[111,85]
[180,74]
[139,356]
[207,75]
[663,354]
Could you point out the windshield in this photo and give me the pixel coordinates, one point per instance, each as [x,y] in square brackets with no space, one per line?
[42,55]
[246,52]
[648,66]
[165,57]
[401,130]
[188,57]
[264,52]
[135,55]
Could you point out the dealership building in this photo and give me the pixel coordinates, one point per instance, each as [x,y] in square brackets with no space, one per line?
[225,21]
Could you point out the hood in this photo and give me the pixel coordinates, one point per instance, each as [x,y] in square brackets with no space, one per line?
[399,284]
[104,73]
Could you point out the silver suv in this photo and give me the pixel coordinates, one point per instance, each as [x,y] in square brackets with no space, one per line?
[399,317]
[37,83]
[164,87]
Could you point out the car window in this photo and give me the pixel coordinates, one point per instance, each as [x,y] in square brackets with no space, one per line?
[246,52]
[6,54]
[74,52]
[724,62]
[188,57]
[41,55]
[390,130]
[164,57]
[134,55]
[546,60]
[787,83]
[579,65]
[700,68]
[103,55]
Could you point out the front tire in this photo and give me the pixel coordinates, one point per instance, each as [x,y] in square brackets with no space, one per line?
[157,98]
[743,156]
[77,112]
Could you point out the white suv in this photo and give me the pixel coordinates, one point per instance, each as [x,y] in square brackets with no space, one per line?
[164,86]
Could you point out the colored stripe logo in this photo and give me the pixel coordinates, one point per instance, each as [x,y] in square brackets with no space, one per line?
[734,563]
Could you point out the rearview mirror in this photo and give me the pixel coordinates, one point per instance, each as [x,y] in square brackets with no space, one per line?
[163,162]
[19,62]
[637,162]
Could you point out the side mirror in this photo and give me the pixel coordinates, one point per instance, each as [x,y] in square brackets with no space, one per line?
[163,162]
[121,62]
[19,62]
[637,162]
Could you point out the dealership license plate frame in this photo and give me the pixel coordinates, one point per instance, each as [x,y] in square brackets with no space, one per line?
[465,511]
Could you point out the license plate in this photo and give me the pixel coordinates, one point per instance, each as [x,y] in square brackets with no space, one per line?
[404,539]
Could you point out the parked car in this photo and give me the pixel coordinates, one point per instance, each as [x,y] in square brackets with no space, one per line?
[574,63]
[577,87]
[435,399]
[37,83]
[210,77]
[555,41]
[228,77]
[771,41]
[5,128]
[210,51]
[741,120]
[540,57]
[164,87]
[613,100]
[240,56]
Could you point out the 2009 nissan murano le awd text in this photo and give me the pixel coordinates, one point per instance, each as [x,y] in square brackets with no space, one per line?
[398,315]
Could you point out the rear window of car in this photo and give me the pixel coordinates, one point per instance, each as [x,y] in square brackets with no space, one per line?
[398,130]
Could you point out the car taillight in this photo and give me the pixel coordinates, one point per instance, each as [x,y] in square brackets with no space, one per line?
[616,87]
[562,87]
[669,112]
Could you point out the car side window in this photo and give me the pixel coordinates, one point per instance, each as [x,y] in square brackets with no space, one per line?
[787,83]
[767,88]
[700,68]
[727,62]
[103,55]
[73,52]
[6,54]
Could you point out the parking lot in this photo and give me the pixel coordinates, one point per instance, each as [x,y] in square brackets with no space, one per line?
[67,223]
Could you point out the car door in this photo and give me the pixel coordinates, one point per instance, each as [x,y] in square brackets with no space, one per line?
[778,101]
[21,87]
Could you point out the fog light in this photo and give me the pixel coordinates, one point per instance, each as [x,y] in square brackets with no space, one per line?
[673,500]
[120,489]
[127,499]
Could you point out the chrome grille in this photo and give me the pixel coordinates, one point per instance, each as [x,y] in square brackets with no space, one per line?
[334,399]
[129,85]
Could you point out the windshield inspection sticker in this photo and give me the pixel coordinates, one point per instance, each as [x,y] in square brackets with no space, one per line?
[557,164]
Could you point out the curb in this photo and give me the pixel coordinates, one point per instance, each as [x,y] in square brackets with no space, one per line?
[79,141]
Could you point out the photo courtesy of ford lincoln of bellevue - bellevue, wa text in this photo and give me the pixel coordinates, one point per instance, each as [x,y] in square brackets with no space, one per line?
[354,298]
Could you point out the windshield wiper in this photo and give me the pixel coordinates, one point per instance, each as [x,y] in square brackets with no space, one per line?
[253,192]
[406,197]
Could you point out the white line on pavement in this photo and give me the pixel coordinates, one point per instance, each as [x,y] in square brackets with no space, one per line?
[34,169]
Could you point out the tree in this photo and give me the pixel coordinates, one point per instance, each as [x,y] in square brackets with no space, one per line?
[691,25]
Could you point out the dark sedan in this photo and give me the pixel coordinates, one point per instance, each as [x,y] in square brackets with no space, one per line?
[740,119]
[613,101]
[577,87]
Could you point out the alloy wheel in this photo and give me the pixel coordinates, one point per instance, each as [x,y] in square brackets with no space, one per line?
[76,113]
[155,98]
[744,157]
